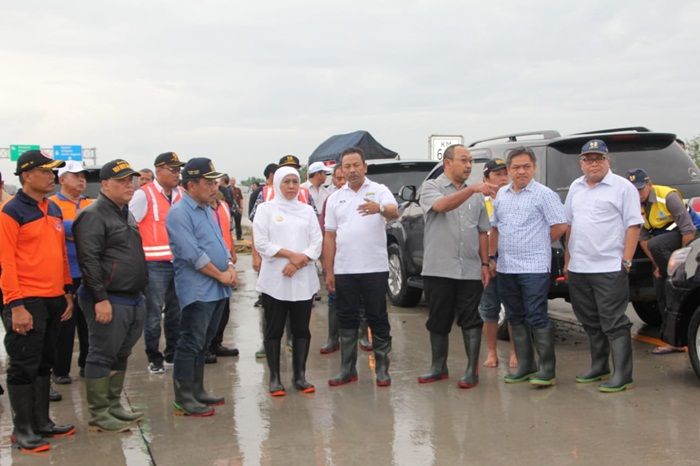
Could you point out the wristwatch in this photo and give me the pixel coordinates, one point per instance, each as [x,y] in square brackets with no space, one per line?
[381,209]
[626,263]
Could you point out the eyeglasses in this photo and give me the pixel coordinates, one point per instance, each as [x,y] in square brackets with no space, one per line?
[173,170]
[592,160]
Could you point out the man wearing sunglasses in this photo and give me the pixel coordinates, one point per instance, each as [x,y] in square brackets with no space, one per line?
[150,206]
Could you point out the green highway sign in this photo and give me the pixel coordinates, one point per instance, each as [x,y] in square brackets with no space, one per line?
[18,149]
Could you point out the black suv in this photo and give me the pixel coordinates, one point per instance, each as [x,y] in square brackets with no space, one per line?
[557,167]
[395,173]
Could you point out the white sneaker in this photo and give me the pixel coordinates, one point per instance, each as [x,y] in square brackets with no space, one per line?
[156,368]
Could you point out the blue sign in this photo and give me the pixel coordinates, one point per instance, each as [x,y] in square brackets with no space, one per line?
[68,152]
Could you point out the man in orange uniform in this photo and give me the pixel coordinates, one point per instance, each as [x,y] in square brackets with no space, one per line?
[37,292]
[150,206]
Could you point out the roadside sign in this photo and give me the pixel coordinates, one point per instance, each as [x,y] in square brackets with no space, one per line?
[18,149]
[68,152]
[439,142]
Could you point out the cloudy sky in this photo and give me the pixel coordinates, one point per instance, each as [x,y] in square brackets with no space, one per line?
[247,82]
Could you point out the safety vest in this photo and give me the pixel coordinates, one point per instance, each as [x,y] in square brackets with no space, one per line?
[154,235]
[488,202]
[223,215]
[659,216]
[269,194]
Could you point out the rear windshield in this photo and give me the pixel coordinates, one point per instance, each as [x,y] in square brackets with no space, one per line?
[666,163]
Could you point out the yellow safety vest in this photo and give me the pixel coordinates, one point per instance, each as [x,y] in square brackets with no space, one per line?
[659,216]
[489,206]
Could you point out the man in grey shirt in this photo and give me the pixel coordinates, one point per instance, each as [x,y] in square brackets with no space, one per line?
[455,264]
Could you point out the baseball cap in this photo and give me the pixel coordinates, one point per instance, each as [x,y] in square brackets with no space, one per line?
[289,161]
[71,166]
[317,167]
[494,165]
[270,169]
[638,177]
[117,169]
[32,159]
[168,158]
[595,146]
[200,167]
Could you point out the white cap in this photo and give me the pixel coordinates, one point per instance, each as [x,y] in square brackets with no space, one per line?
[71,166]
[317,167]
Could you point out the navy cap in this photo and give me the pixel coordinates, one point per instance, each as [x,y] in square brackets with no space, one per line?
[595,146]
[289,161]
[270,169]
[494,165]
[638,177]
[117,169]
[168,158]
[200,167]
[32,159]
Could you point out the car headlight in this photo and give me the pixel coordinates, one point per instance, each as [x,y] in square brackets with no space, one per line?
[677,259]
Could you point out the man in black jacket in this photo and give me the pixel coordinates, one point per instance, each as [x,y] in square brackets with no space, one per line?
[113,265]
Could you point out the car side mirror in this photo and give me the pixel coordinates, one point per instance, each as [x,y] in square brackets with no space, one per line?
[408,193]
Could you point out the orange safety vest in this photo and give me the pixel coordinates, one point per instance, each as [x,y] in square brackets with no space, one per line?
[156,246]
[303,196]
[223,215]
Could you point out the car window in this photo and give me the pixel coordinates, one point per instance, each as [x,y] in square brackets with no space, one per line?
[394,176]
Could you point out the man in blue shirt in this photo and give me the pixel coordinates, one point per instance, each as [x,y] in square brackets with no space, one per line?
[527,218]
[204,275]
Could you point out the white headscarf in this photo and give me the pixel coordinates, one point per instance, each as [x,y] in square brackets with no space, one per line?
[283,204]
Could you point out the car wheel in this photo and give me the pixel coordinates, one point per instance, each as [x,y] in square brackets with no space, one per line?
[694,341]
[648,311]
[400,294]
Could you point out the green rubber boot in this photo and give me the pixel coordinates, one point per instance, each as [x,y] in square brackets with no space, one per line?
[544,342]
[116,409]
[621,348]
[600,356]
[101,419]
[523,349]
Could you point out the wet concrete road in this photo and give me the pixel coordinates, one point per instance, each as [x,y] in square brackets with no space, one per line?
[405,424]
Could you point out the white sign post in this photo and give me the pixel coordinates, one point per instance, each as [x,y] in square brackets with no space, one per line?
[437,144]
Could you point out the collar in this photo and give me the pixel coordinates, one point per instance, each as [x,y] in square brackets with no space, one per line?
[652,199]
[445,181]
[24,197]
[608,179]
[191,203]
[123,211]
[347,187]
[62,197]
[529,187]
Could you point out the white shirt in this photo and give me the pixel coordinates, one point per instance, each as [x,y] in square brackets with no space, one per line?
[319,195]
[274,230]
[360,242]
[139,204]
[599,217]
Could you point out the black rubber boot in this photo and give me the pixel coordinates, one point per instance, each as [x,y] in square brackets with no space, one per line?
[621,349]
[382,348]
[43,425]
[348,358]
[472,345]
[185,402]
[547,361]
[300,352]
[23,435]
[600,356]
[272,350]
[199,393]
[523,349]
[333,344]
[365,344]
[439,346]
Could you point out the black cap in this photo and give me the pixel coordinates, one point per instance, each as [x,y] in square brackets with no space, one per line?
[200,167]
[270,169]
[168,158]
[117,169]
[494,165]
[638,177]
[289,161]
[32,159]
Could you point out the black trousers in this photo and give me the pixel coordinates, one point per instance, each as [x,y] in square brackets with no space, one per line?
[237,222]
[352,291]
[219,337]
[66,338]
[451,300]
[276,312]
[32,355]
[599,301]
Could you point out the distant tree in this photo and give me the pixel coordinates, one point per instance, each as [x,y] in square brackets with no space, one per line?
[248,181]
[693,148]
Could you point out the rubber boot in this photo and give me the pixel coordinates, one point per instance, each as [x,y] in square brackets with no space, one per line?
[382,348]
[43,425]
[547,361]
[439,346]
[300,352]
[272,350]
[185,402]
[333,344]
[621,349]
[600,355]
[523,349]
[99,405]
[472,345]
[116,409]
[348,358]
[23,435]
[365,344]
[200,394]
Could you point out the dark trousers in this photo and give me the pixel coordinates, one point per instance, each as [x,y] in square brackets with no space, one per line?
[32,355]
[198,325]
[237,222]
[66,338]
[599,301]
[161,300]
[110,344]
[451,300]
[524,295]
[276,312]
[661,247]
[219,337]
[352,291]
